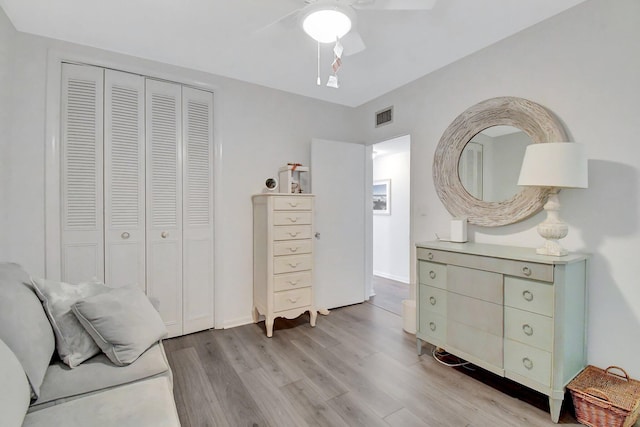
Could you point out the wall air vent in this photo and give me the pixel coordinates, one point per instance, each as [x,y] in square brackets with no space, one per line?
[384,117]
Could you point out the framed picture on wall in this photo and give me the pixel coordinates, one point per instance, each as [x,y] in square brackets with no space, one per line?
[382,197]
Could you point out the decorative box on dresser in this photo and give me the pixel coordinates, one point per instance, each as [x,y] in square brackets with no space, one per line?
[507,310]
[282,257]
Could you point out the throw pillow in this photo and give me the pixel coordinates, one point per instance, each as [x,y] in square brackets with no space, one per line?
[73,343]
[122,322]
[24,326]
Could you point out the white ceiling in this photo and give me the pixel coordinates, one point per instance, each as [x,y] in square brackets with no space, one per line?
[234,38]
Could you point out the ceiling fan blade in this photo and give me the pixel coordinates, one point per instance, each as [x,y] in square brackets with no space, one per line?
[352,43]
[394,4]
[287,22]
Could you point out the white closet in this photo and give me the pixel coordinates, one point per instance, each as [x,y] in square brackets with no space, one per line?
[137,189]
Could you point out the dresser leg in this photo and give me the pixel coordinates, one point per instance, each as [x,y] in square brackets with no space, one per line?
[269,324]
[255,315]
[419,344]
[555,405]
[313,315]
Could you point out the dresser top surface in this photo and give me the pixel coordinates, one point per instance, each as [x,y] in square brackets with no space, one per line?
[282,195]
[501,251]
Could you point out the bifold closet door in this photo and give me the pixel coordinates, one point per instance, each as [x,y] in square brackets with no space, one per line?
[81,169]
[124,188]
[164,199]
[197,139]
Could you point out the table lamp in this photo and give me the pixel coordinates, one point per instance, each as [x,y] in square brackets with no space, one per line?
[554,165]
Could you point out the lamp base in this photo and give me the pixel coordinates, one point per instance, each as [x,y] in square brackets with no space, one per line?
[552,248]
[552,228]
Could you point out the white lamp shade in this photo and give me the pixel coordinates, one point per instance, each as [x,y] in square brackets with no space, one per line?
[326,25]
[555,164]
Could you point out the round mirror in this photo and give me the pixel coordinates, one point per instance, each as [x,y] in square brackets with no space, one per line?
[539,124]
[489,165]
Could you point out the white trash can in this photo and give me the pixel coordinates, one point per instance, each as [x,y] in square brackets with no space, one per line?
[409,316]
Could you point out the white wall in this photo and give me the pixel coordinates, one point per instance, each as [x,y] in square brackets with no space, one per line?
[583,65]
[6,43]
[257,129]
[391,242]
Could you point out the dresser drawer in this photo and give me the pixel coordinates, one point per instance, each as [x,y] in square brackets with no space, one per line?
[528,328]
[292,203]
[287,300]
[287,232]
[285,282]
[292,247]
[433,274]
[479,284]
[291,218]
[527,361]
[291,263]
[529,295]
[482,315]
[502,264]
[481,344]
[433,299]
[434,326]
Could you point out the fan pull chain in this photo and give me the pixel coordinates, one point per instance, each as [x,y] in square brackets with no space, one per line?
[318,82]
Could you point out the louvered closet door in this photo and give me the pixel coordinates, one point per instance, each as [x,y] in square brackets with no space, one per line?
[197,120]
[82,246]
[124,179]
[164,200]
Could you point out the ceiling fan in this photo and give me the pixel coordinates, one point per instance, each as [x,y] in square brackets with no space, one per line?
[334,21]
[328,20]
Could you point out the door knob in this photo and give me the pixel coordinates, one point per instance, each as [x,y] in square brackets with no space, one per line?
[164,234]
[317,235]
[125,235]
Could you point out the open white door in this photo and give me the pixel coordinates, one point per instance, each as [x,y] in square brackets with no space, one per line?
[341,182]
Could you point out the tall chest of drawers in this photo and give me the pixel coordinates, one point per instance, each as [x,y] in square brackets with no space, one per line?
[282,257]
[506,309]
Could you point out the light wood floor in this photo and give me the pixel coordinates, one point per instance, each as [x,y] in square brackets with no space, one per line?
[356,368]
[389,294]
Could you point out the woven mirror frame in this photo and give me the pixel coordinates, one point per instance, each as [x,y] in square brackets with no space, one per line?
[533,119]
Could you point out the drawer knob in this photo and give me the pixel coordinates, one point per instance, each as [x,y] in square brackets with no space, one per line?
[292,249]
[293,300]
[432,300]
[293,282]
[294,233]
[527,363]
[432,326]
[527,329]
[430,255]
[294,219]
[293,264]
[526,271]
[293,204]
[432,274]
[125,235]
[527,295]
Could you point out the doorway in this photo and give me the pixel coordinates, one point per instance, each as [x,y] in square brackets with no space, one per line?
[391,223]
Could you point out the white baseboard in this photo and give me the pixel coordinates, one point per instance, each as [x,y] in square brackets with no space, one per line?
[402,279]
[240,321]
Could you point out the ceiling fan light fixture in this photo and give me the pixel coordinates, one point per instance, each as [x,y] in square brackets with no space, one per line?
[326,25]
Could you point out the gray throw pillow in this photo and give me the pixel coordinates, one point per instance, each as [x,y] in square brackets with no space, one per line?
[73,343]
[122,322]
[24,326]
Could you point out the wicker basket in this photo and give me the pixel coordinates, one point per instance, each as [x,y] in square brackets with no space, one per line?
[605,399]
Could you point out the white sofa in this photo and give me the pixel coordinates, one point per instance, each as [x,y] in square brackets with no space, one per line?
[38,390]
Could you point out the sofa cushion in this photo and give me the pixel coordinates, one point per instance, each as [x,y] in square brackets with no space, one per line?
[96,374]
[15,391]
[145,403]
[73,343]
[122,322]
[24,327]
